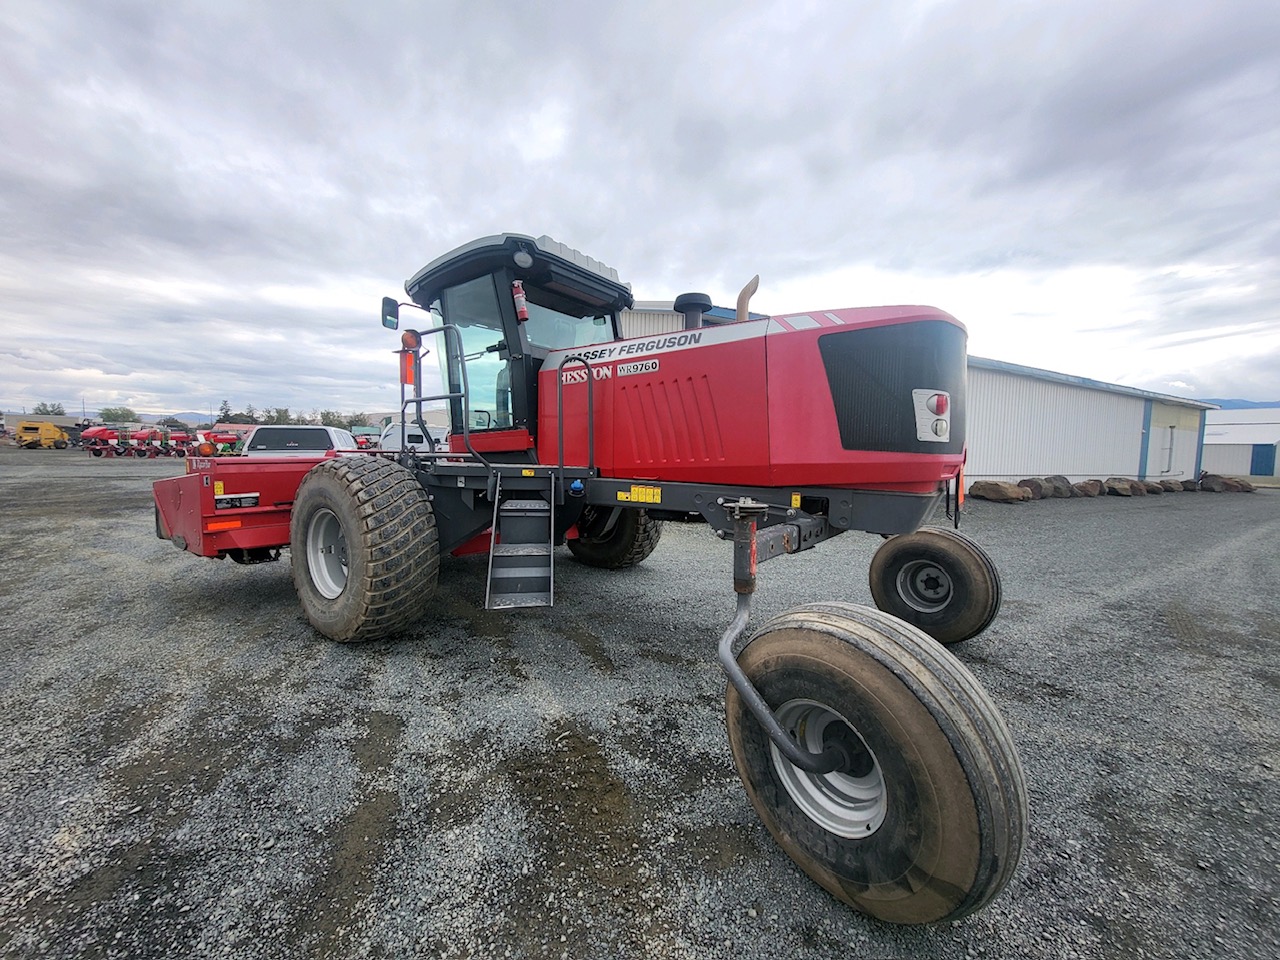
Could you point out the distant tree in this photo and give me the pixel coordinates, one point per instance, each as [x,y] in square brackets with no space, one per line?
[118,415]
[277,415]
[49,409]
[331,418]
[238,418]
[174,424]
[224,411]
[357,420]
[251,413]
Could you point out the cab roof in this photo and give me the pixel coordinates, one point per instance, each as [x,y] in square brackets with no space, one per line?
[543,262]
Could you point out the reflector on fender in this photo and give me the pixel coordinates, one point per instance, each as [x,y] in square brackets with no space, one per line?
[216,525]
[408,368]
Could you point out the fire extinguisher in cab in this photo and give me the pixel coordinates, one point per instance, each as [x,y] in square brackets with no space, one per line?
[522,305]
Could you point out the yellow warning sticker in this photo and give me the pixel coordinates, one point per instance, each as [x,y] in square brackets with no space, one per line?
[527,473]
[795,501]
[217,488]
[640,494]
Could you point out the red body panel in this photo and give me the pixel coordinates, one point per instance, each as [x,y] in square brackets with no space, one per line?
[189,504]
[493,440]
[742,403]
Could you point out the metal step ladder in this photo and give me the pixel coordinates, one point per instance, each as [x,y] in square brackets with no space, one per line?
[521,570]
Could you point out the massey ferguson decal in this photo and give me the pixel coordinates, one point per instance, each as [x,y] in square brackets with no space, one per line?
[627,348]
[659,343]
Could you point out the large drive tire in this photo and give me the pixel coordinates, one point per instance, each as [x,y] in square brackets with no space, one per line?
[96,451]
[633,537]
[364,548]
[60,444]
[929,824]
[938,580]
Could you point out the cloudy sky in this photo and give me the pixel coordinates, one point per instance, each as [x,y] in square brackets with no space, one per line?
[206,201]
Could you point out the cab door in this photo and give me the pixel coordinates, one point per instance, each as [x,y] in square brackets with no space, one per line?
[494,361]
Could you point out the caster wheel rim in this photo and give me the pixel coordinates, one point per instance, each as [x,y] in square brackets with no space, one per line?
[851,805]
[924,586]
[327,554]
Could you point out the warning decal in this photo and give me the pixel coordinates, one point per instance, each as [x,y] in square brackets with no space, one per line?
[640,494]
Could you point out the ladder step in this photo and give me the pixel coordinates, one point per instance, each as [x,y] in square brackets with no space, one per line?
[522,550]
[512,600]
[526,506]
[537,571]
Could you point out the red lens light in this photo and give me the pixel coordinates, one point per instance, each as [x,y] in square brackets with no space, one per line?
[938,404]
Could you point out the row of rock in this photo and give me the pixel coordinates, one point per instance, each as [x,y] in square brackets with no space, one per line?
[1042,488]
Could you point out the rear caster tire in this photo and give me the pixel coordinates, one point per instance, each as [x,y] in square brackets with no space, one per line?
[930,820]
[938,580]
[364,548]
[96,452]
[633,536]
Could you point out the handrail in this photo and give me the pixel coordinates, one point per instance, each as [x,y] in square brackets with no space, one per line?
[448,329]
[591,413]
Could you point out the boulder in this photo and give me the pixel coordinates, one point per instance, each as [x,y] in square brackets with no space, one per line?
[1036,486]
[1061,486]
[1212,483]
[1190,486]
[1119,487]
[1152,487]
[1087,488]
[1172,486]
[999,491]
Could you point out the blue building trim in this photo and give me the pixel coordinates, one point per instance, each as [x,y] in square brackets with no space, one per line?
[1263,461]
[1146,438]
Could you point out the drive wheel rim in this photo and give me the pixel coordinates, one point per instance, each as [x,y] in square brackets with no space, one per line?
[327,554]
[924,586]
[851,805]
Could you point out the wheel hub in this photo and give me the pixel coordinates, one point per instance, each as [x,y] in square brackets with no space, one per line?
[850,802]
[924,586]
[327,554]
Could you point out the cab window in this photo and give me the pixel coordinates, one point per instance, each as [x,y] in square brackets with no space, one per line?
[473,308]
[553,324]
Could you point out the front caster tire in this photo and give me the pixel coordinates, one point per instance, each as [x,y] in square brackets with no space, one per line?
[938,580]
[929,821]
[364,548]
[627,540]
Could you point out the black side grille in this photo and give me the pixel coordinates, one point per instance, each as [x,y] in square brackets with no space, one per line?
[872,372]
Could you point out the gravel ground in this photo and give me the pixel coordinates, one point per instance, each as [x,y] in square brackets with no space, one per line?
[190,771]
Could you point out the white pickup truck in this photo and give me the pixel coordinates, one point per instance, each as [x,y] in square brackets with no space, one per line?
[297,440]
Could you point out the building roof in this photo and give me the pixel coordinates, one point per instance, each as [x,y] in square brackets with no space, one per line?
[1243,433]
[1249,415]
[1016,369]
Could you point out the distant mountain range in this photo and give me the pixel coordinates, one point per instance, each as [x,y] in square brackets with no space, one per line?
[1240,404]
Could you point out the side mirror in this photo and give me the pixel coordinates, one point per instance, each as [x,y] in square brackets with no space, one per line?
[390,313]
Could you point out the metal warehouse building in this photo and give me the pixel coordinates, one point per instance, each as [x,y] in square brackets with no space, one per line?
[1238,442]
[1026,422]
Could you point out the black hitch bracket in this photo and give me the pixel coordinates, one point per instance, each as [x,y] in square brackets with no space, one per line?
[780,538]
